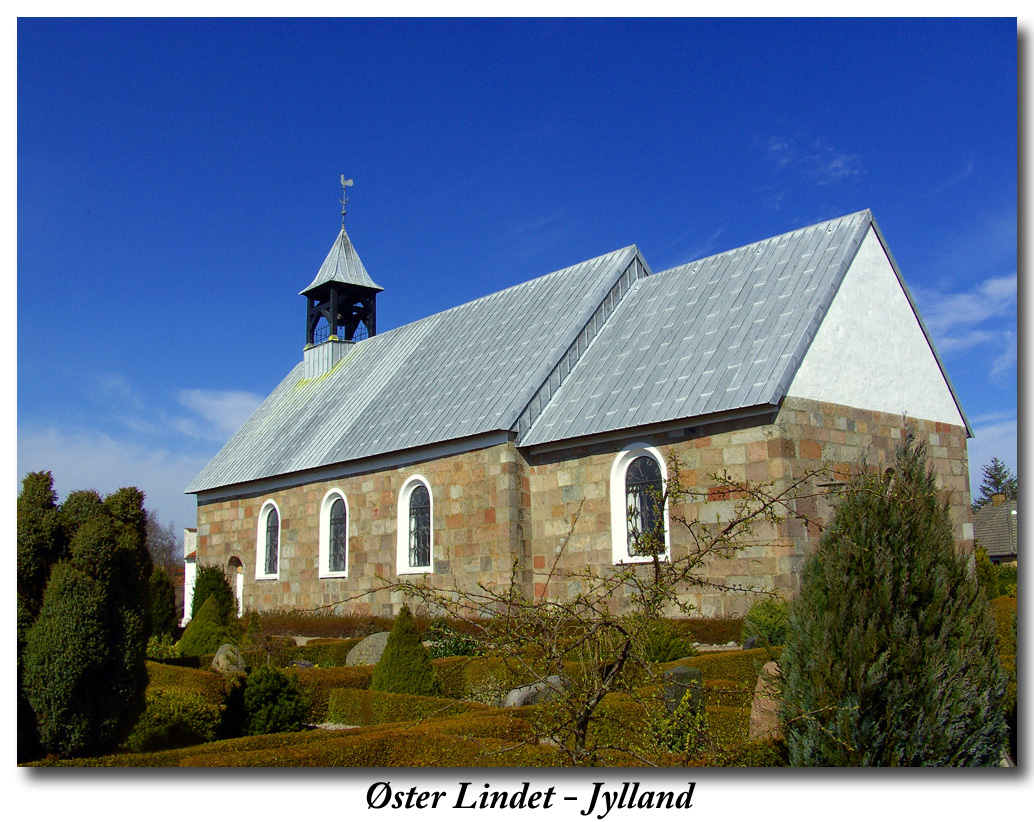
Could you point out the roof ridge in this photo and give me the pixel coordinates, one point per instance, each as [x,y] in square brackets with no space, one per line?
[842,217]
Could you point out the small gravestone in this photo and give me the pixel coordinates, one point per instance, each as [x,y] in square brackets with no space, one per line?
[681,681]
[228,660]
[750,642]
[369,651]
[764,710]
[544,690]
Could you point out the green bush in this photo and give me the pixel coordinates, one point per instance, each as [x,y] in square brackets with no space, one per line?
[405,667]
[205,632]
[161,648]
[663,642]
[211,582]
[742,667]
[316,685]
[890,659]
[272,702]
[445,641]
[174,719]
[163,603]
[768,619]
[324,653]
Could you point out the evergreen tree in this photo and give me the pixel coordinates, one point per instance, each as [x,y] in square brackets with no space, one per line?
[163,603]
[998,479]
[405,667]
[84,674]
[211,582]
[891,655]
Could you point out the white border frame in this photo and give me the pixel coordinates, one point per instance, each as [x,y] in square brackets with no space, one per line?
[260,540]
[328,502]
[618,505]
[402,528]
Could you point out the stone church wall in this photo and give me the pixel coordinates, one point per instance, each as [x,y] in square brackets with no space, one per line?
[552,511]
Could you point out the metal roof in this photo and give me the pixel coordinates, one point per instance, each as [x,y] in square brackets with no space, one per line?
[343,266]
[723,333]
[466,371]
[595,348]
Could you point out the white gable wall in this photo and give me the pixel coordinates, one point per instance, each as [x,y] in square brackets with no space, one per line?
[870,351]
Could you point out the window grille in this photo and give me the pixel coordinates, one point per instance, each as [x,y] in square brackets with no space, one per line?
[272,540]
[338,535]
[643,494]
[419,528]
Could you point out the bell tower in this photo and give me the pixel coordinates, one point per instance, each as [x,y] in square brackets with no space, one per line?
[341,300]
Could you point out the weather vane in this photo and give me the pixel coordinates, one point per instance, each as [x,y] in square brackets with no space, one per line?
[344,197]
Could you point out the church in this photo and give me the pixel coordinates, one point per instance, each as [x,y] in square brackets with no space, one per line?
[531,428]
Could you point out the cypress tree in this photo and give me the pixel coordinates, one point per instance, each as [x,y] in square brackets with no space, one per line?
[891,657]
[211,582]
[405,667]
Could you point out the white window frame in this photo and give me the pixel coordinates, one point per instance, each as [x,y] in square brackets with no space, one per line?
[619,504]
[329,499]
[402,528]
[260,542]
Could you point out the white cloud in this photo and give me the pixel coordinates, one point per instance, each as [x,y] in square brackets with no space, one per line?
[93,459]
[223,411]
[823,163]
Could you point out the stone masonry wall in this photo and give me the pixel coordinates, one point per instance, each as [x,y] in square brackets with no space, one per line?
[475,526]
[570,526]
[551,511]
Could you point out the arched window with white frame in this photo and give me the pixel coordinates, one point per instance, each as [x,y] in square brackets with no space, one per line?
[334,534]
[638,508]
[267,553]
[415,535]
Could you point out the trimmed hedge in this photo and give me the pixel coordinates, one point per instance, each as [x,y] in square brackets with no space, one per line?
[208,684]
[174,719]
[355,707]
[316,685]
[325,653]
[738,666]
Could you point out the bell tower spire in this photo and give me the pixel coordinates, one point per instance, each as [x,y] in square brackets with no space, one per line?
[341,300]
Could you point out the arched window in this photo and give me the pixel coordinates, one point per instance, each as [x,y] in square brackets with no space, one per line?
[644,490]
[334,535]
[415,537]
[638,511]
[267,554]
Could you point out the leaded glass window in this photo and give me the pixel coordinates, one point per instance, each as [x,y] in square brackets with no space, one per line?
[338,535]
[643,495]
[419,528]
[272,540]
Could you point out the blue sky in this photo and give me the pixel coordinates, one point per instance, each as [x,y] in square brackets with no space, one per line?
[178,186]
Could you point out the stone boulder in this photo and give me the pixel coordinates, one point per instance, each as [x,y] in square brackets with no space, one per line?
[228,660]
[764,710]
[680,681]
[369,651]
[544,690]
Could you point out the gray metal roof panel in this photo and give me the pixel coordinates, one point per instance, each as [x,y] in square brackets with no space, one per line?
[466,371]
[343,265]
[722,347]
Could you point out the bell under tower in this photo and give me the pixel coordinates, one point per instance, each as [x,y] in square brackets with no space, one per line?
[341,303]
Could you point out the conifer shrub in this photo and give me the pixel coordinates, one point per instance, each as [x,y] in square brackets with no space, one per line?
[405,667]
[163,603]
[891,655]
[211,582]
[768,619]
[272,702]
[83,667]
[205,632]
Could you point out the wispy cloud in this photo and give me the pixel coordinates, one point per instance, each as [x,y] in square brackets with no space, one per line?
[967,169]
[813,158]
[981,317]
[93,459]
[222,412]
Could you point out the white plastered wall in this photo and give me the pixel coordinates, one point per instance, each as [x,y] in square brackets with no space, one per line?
[870,351]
